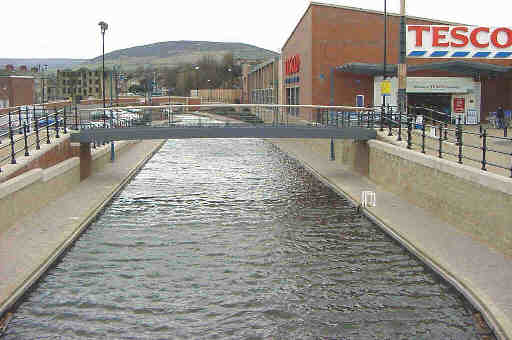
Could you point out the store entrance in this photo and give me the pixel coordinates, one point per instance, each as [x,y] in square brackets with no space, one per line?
[435,101]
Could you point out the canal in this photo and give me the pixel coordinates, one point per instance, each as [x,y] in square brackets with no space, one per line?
[232,239]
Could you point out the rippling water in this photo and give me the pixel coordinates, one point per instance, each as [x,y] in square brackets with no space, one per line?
[230,239]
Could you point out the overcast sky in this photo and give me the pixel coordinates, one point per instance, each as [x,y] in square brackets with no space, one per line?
[69,29]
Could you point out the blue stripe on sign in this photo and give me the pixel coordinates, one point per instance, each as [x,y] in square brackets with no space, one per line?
[503,54]
[460,54]
[417,53]
[439,54]
[481,54]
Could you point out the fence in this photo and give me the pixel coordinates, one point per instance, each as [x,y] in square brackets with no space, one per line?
[26,128]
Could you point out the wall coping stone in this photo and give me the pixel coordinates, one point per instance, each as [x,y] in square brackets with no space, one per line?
[60,168]
[22,161]
[471,174]
[19,182]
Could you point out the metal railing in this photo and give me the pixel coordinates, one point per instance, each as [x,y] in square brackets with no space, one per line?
[382,118]
[25,129]
[448,135]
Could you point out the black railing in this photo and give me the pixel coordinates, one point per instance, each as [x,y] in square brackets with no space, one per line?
[23,144]
[448,133]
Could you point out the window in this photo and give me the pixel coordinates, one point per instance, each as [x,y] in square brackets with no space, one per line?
[292,98]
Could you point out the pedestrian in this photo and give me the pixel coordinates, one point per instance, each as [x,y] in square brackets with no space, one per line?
[500,117]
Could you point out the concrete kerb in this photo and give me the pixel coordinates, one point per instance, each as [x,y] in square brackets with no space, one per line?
[490,315]
[90,217]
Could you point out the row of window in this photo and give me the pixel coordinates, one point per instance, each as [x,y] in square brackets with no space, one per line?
[69,90]
[83,74]
[263,96]
[71,82]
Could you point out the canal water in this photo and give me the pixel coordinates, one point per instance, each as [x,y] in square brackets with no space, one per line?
[232,239]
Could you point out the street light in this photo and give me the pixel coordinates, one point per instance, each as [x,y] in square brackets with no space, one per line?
[45,68]
[197,68]
[209,90]
[104,27]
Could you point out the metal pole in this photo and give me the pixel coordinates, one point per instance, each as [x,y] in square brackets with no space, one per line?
[47,128]
[402,65]
[11,136]
[103,78]
[25,138]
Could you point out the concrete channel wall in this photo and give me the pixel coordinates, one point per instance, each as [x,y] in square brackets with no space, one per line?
[473,201]
[31,191]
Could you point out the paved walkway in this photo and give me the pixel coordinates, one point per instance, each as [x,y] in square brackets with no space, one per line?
[484,274]
[29,247]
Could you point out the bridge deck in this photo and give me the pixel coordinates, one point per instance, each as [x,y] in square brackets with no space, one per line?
[143,133]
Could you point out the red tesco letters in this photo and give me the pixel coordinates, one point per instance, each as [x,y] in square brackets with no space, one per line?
[462,36]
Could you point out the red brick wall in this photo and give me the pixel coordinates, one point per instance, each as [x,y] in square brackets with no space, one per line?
[299,43]
[21,91]
[57,154]
[329,36]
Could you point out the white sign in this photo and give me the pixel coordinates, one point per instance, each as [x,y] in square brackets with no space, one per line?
[439,85]
[424,41]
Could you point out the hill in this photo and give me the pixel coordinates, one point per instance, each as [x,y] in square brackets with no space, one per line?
[53,63]
[175,53]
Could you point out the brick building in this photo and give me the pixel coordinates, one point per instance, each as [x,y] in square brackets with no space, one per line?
[84,83]
[16,90]
[335,56]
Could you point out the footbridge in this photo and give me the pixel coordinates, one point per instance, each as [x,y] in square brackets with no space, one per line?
[281,125]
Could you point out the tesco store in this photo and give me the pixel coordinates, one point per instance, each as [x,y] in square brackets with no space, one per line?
[341,52]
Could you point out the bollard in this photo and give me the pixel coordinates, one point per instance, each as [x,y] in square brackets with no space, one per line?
[27,119]
[65,122]
[25,137]
[382,118]
[390,127]
[36,128]
[11,136]
[57,124]
[47,128]
[484,149]
[333,156]
[423,137]
[21,124]
[440,140]
[399,126]
[409,132]
[459,139]
[76,117]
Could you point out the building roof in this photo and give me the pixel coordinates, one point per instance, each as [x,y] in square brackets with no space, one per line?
[323,4]
[262,65]
[456,66]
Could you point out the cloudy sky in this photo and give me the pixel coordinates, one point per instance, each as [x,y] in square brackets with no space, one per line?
[69,29]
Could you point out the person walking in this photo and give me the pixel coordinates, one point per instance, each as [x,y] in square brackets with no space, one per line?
[500,117]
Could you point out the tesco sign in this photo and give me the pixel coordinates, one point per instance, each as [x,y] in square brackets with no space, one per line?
[424,41]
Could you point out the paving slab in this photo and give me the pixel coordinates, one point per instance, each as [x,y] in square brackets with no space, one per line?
[29,247]
[480,273]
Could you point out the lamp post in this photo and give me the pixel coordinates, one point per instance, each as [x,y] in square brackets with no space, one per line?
[209,90]
[197,68]
[104,27]
[402,63]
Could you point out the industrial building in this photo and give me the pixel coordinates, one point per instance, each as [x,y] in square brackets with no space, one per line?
[83,83]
